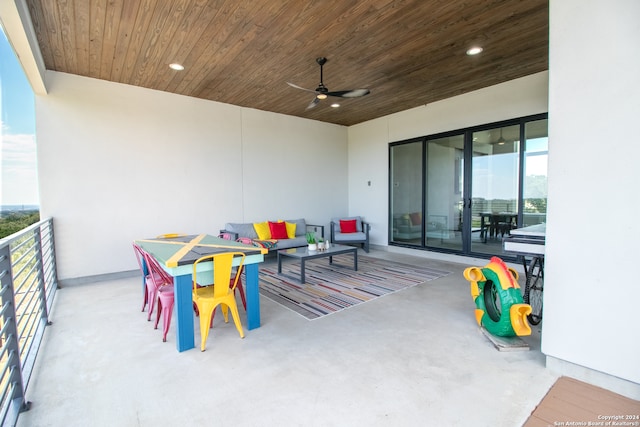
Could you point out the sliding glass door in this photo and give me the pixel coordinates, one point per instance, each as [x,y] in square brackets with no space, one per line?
[464,191]
[406,193]
[534,210]
[494,187]
[444,189]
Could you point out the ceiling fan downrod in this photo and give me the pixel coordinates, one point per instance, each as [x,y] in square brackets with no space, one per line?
[321,87]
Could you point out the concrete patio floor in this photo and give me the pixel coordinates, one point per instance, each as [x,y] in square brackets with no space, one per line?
[412,358]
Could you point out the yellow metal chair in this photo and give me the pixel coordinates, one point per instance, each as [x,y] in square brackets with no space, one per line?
[170,236]
[207,298]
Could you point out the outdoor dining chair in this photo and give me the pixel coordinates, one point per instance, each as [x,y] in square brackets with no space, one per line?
[207,298]
[239,288]
[170,236]
[162,283]
[149,294]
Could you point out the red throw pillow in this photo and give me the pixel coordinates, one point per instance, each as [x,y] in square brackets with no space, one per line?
[348,226]
[278,230]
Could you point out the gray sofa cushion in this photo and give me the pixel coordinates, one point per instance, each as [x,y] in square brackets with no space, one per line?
[349,237]
[337,222]
[291,243]
[243,229]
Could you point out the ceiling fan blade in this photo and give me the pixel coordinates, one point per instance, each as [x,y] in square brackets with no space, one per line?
[312,104]
[322,92]
[354,93]
[301,88]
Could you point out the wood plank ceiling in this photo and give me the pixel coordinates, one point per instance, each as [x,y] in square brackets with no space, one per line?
[243,52]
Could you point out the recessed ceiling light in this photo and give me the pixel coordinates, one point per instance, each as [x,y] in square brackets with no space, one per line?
[335,105]
[176,66]
[474,50]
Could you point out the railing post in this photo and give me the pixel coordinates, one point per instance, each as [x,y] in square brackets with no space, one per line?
[12,350]
[52,248]
[37,235]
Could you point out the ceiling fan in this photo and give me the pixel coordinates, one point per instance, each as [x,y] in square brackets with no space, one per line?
[322,91]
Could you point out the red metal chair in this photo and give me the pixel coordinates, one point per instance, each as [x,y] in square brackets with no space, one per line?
[145,273]
[162,282]
[239,287]
[237,279]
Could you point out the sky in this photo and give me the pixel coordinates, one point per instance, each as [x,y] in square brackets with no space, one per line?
[18,165]
[496,176]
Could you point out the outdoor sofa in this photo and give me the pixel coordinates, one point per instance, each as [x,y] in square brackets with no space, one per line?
[270,234]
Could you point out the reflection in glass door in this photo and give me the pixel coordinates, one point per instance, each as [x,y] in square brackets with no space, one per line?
[534,190]
[444,187]
[405,190]
[494,187]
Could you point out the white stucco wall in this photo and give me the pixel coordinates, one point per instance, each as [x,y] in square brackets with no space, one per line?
[369,141]
[118,163]
[592,299]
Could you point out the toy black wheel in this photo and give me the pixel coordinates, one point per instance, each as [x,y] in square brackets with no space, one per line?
[492,301]
[533,290]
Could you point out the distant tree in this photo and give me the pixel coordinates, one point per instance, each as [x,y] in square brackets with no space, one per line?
[535,205]
[535,186]
[16,221]
[535,197]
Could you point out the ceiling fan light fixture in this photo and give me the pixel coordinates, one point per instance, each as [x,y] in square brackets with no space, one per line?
[322,92]
[474,50]
[501,140]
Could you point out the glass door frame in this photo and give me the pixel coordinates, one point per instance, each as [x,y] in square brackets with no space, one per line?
[392,214]
[489,217]
[467,182]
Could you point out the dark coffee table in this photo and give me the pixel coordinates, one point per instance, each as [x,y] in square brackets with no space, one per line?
[304,254]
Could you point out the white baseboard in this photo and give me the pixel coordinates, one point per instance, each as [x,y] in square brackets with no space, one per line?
[441,256]
[597,378]
[98,278]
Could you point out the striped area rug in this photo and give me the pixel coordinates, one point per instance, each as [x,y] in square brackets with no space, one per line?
[333,287]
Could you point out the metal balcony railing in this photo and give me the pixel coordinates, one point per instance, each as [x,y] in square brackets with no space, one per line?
[28,283]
